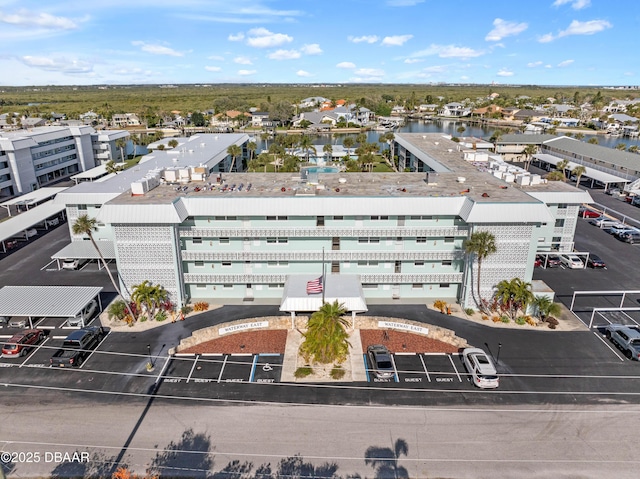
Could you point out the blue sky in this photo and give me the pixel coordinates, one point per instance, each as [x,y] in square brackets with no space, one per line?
[545,42]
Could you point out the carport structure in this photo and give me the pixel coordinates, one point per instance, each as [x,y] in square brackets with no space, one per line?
[32,199]
[46,301]
[18,225]
[344,288]
[591,171]
[84,250]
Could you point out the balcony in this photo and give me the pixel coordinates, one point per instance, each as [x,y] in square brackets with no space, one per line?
[379,278]
[316,256]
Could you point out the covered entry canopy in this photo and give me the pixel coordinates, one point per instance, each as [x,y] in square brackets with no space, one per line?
[344,288]
[41,301]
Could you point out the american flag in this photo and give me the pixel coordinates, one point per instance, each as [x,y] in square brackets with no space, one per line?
[314,286]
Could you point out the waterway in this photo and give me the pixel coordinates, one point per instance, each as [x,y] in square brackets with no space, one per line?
[449,127]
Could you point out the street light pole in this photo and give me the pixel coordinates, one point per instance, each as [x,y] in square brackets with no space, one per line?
[150,363]
[499,348]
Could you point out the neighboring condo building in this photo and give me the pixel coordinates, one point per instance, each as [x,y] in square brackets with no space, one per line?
[236,237]
[31,159]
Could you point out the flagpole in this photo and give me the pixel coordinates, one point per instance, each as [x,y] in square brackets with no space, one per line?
[323,282]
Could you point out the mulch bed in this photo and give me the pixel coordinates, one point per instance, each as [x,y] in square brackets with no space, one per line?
[273,341]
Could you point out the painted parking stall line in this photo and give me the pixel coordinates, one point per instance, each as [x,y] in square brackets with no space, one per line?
[454,367]
[195,362]
[267,368]
[224,363]
[238,368]
[409,368]
[440,367]
[604,341]
[424,366]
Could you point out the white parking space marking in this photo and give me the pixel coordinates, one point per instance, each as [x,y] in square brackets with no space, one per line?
[167,360]
[48,264]
[192,368]
[92,352]
[425,368]
[35,350]
[608,345]
[454,367]
[395,370]
[222,369]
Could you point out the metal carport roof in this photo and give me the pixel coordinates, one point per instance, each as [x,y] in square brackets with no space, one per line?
[344,288]
[591,172]
[41,301]
[85,250]
[32,198]
[15,226]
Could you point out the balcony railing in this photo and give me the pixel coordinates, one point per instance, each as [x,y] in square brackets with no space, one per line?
[317,256]
[380,278]
[323,232]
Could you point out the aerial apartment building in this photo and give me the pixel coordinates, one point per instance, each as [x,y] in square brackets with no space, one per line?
[205,234]
[31,159]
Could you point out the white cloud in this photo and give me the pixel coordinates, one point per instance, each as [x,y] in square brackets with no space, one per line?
[534,64]
[236,38]
[575,4]
[284,55]
[263,38]
[548,66]
[212,69]
[565,63]
[403,3]
[435,69]
[396,40]
[27,19]
[157,49]
[370,72]
[346,65]
[61,65]
[364,39]
[302,73]
[246,72]
[448,51]
[216,57]
[503,28]
[413,60]
[504,73]
[242,61]
[577,27]
[312,49]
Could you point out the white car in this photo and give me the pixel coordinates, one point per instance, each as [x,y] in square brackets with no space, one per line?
[571,261]
[84,317]
[479,365]
[70,263]
[31,232]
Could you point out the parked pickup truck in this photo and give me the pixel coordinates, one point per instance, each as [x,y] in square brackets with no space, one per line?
[626,337]
[77,346]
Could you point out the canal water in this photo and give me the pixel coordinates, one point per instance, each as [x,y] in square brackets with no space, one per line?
[449,127]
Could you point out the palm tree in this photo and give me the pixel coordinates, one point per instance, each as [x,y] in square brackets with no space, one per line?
[327,149]
[135,139]
[111,167]
[326,340]
[348,143]
[514,294]
[252,146]
[234,151]
[556,175]
[86,226]
[384,460]
[361,138]
[141,296]
[544,307]
[481,244]
[578,171]
[579,136]
[621,146]
[306,144]
[562,166]
[592,141]
[173,143]
[265,137]
[529,151]
[121,143]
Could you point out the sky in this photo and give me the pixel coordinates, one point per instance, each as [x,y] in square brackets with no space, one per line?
[543,42]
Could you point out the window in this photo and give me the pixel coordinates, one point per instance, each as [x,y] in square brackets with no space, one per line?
[227,286]
[422,217]
[224,240]
[378,218]
[276,218]
[199,264]
[562,206]
[448,239]
[559,223]
[196,240]
[444,285]
[82,207]
[418,263]
[369,286]
[226,264]
[276,285]
[367,263]
[446,262]
[338,218]
[278,263]
[416,286]
[201,286]
[368,240]
[421,239]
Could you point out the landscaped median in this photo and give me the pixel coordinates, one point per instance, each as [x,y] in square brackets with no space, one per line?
[278,335]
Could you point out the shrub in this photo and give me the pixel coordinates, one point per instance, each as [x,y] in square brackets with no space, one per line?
[161,316]
[303,372]
[485,317]
[505,319]
[117,310]
[552,320]
[530,321]
[470,311]
[552,326]
[337,372]
[186,310]
[142,319]
[521,321]
[441,305]
[495,319]
[201,306]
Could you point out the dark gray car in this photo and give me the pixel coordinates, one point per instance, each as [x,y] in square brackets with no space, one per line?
[380,361]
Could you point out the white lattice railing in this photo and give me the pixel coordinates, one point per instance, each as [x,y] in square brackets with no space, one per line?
[384,278]
[322,232]
[317,255]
